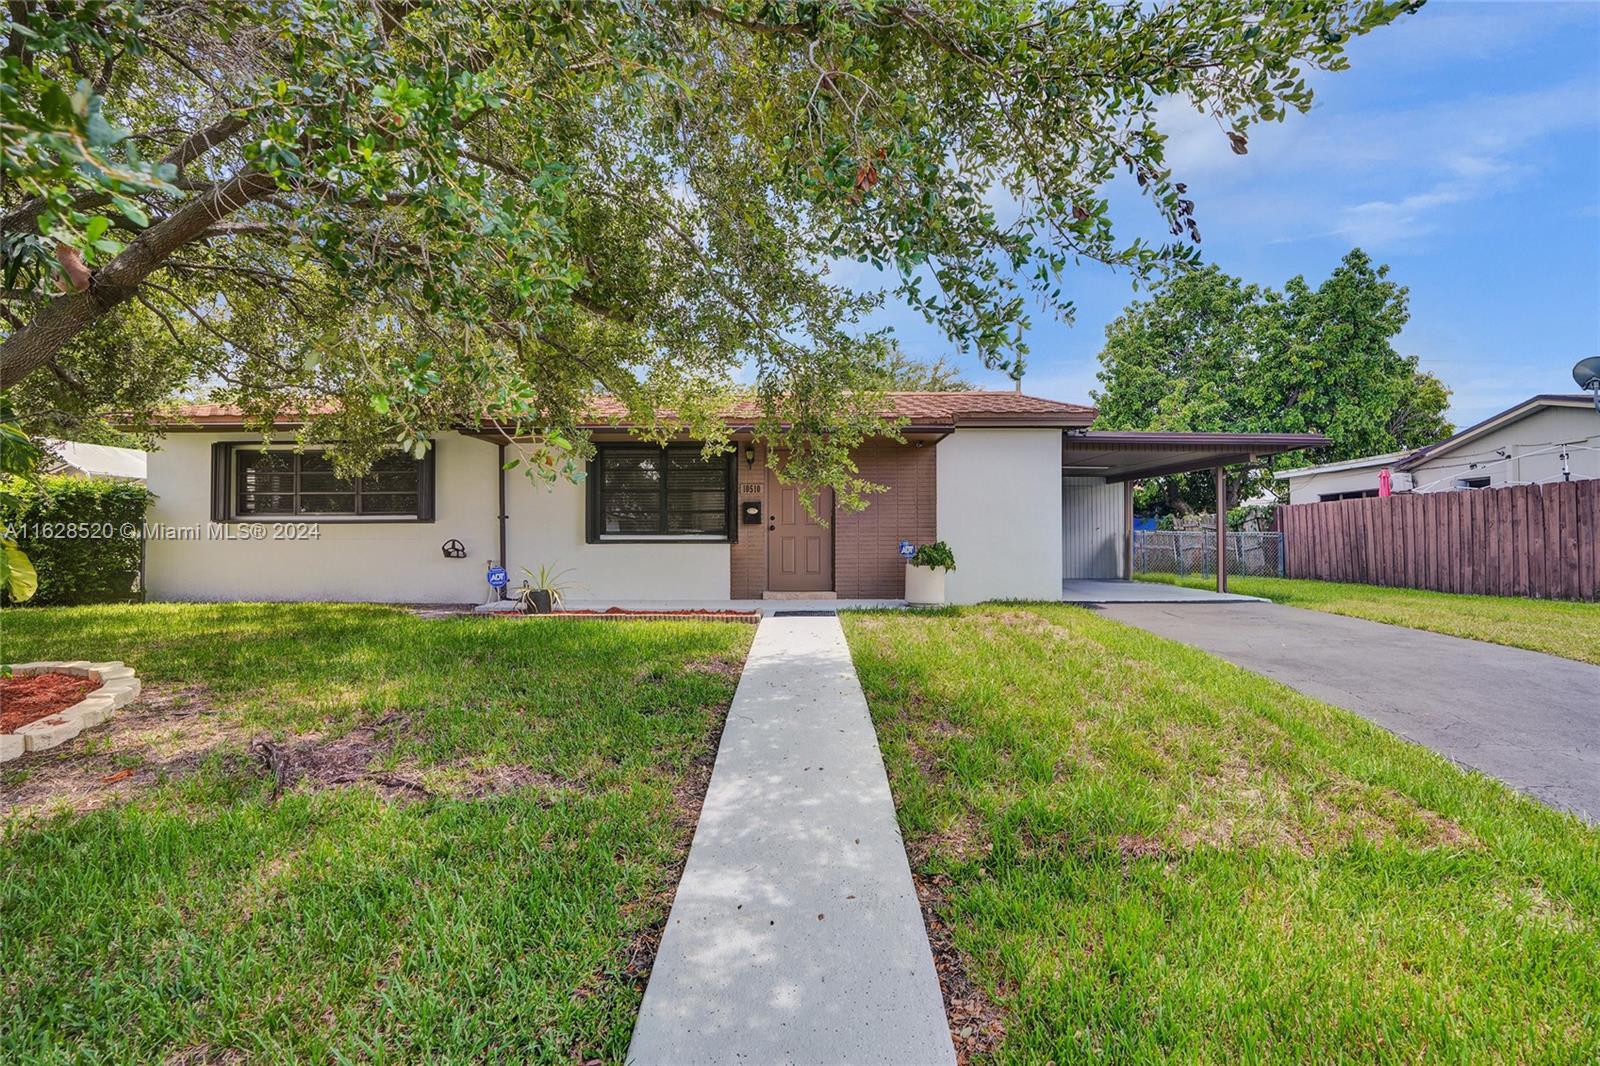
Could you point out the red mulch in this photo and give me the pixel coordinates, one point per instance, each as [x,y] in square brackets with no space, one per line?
[28,699]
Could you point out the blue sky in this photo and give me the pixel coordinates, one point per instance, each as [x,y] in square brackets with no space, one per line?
[1462,148]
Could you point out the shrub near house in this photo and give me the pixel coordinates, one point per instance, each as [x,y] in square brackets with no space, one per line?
[83,535]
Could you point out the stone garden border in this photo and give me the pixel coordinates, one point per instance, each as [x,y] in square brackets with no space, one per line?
[118,687]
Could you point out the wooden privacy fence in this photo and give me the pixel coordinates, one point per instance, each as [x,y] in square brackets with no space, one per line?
[1523,540]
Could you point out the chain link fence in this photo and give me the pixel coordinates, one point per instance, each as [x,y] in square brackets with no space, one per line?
[1194,551]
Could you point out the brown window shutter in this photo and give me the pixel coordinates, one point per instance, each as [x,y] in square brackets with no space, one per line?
[221,460]
[425,483]
[591,496]
[732,501]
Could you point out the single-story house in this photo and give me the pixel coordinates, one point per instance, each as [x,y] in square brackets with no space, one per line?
[1023,491]
[1543,439]
[74,459]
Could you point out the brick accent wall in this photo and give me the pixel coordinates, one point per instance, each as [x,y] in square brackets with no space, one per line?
[866,559]
[748,556]
[866,556]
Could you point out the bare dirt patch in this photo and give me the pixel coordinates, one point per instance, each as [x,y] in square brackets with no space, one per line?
[1241,805]
[719,666]
[206,1055]
[169,731]
[1137,846]
[28,699]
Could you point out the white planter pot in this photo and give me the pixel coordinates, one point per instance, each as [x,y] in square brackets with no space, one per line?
[925,585]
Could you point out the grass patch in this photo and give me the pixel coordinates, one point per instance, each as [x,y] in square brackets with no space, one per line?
[1146,854]
[488,909]
[1556,627]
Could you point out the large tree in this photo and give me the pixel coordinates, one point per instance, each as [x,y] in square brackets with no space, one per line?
[1207,352]
[409,214]
[904,373]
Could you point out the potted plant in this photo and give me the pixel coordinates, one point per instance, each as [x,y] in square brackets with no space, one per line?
[925,573]
[542,591]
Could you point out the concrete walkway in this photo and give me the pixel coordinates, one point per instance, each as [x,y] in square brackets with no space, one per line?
[1529,719]
[795,936]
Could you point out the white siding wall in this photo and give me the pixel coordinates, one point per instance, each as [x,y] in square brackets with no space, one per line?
[401,562]
[1529,445]
[999,509]
[1091,528]
[1310,488]
[1529,442]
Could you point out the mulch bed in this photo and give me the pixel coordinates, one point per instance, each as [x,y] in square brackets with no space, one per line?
[28,699]
[977,1024]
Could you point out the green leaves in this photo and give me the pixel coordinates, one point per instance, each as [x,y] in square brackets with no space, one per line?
[492,212]
[19,462]
[17,575]
[1209,353]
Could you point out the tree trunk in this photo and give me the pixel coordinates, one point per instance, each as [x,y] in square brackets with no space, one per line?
[66,316]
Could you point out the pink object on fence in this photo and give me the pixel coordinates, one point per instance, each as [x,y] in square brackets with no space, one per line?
[1383,482]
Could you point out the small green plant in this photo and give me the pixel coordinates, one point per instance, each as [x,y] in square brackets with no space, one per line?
[19,458]
[935,556]
[548,579]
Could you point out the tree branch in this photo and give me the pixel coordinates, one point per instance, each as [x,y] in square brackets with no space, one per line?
[26,216]
[65,317]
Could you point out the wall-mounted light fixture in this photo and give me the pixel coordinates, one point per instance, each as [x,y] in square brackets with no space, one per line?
[750,455]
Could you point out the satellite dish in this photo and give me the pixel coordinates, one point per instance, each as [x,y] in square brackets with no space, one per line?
[1587,375]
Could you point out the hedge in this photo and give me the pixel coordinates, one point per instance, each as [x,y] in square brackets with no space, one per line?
[84,536]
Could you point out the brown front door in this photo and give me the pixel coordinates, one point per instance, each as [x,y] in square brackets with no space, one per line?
[799,548]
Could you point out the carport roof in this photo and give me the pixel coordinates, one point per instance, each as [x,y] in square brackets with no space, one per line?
[1126,455]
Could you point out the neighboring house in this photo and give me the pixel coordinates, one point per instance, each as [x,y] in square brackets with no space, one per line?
[1543,439]
[93,460]
[1025,494]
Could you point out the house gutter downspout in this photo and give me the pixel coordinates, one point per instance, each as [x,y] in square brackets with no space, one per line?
[502,515]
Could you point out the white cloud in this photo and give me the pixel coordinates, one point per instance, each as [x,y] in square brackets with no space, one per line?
[1451,31]
[1374,175]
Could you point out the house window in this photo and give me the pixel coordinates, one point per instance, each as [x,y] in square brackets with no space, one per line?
[280,483]
[1472,482]
[1356,494]
[647,493]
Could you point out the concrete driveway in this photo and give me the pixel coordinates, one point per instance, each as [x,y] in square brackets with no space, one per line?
[1529,719]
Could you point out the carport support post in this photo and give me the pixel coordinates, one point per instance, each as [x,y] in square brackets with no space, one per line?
[1222,530]
[1127,530]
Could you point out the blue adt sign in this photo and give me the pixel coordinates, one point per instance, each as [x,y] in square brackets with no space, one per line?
[497,577]
[907,549]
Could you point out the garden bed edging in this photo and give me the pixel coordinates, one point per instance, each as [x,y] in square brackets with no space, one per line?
[118,687]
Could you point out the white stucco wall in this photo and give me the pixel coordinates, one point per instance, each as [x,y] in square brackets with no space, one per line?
[396,562]
[547,529]
[999,509]
[401,562]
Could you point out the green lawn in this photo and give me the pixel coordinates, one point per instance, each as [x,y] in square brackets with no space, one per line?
[1559,627]
[493,821]
[1146,854]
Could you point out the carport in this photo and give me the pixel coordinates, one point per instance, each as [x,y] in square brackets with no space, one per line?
[1094,461]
